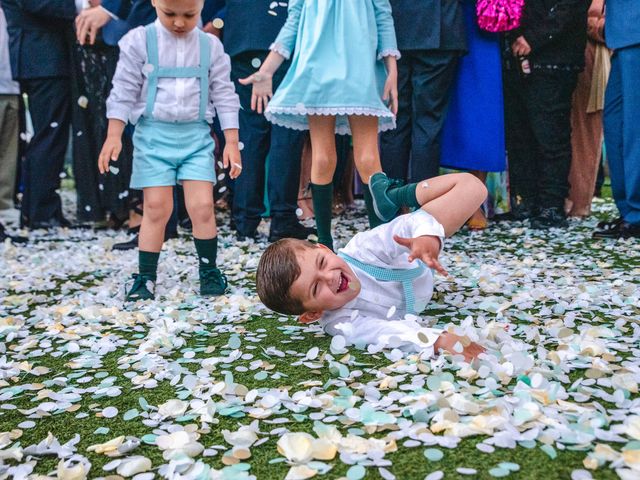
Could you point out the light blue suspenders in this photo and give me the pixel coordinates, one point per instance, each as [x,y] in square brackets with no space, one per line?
[201,72]
[404,276]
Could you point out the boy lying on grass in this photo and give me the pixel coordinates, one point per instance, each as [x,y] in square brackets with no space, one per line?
[372,291]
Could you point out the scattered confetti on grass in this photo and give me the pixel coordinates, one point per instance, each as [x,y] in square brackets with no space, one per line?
[184,387]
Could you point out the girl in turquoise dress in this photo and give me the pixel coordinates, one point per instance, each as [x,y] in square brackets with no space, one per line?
[342,79]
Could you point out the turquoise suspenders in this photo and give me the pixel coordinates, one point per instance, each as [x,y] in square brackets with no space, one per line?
[201,72]
[404,276]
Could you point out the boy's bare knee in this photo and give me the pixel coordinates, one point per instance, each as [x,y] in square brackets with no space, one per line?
[157,211]
[201,212]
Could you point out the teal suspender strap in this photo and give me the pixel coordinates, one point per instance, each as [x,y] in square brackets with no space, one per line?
[201,72]
[205,63]
[404,276]
[152,62]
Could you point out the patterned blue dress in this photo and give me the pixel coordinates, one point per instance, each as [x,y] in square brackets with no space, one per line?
[337,66]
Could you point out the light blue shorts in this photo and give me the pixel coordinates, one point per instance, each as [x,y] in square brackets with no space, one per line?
[166,153]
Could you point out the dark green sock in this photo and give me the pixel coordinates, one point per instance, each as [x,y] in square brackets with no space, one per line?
[322,202]
[404,196]
[374,220]
[207,252]
[148,263]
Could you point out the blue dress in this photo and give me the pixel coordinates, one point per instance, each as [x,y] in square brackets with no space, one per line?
[473,133]
[337,66]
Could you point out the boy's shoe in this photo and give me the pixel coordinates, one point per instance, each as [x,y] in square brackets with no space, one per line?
[383,206]
[143,288]
[212,282]
[552,217]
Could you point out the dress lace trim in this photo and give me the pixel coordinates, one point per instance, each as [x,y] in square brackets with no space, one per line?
[279,48]
[389,52]
[296,117]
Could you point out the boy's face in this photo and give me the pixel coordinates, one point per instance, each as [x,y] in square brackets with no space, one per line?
[178,16]
[326,282]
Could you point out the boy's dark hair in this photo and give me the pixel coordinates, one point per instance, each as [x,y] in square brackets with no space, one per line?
[277,270]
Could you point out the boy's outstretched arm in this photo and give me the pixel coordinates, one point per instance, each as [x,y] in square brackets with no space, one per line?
[451,199]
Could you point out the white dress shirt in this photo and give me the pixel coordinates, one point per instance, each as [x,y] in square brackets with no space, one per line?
[177,99]
[7,85]
[365,320]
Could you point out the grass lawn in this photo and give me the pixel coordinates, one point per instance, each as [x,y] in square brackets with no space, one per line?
[206,389]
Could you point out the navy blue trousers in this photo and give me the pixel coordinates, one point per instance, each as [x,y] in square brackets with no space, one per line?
[260,138]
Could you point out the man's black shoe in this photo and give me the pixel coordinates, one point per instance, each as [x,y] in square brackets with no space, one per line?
[291,230]
[608,225]
[243,237]
[621,230]
[14,238]
[56,222]
[551,217]
[520,210]
[133,242]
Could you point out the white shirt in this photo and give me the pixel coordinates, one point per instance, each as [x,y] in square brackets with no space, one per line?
[363,321]
[177,99]
[7,85]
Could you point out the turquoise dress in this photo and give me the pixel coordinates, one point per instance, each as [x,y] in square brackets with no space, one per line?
[337,66]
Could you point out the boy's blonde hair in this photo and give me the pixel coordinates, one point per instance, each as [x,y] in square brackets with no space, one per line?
[277,270]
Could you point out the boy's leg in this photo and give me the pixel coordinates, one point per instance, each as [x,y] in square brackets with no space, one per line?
[451,199]
[323,165]
[158,204]
[198,196]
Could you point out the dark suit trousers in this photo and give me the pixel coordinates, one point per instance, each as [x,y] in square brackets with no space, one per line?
[261,138]
[50,109]
[412,151]
[538,134]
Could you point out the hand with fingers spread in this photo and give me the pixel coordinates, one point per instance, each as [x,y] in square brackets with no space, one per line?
[262,90]
[89,22]
[425,248]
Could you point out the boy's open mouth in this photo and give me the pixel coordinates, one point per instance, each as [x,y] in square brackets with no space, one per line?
[344,283]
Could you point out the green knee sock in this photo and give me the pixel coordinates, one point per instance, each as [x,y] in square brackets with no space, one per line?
[404,196]
[322,202]
[374,220]
[207,252]
[148,263]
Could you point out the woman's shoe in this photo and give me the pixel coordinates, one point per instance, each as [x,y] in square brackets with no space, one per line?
[477,222]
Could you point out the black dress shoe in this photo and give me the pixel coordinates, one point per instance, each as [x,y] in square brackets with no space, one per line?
[620,230]
[551,217]
[14,238]
[243,237]
[133,242]
[56,222]
[520,210]
[291,230]
[610,224]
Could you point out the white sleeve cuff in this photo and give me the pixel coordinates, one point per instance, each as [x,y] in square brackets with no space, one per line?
[279,48]
[428,225]
[118,113]
[389,52]
[228,120]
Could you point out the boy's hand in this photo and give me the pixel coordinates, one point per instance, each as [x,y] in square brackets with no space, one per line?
[425,248]
[110,151]
[262,90]
[447,342]
[231,158]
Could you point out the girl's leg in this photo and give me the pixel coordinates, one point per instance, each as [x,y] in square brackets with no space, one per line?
[323,165]
[158,204]
[383,200]
[198,198]
[478,221]
[451,199]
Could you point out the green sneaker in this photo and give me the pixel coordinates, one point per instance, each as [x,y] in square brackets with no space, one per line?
[212,282]
[384,207]
[143,288]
